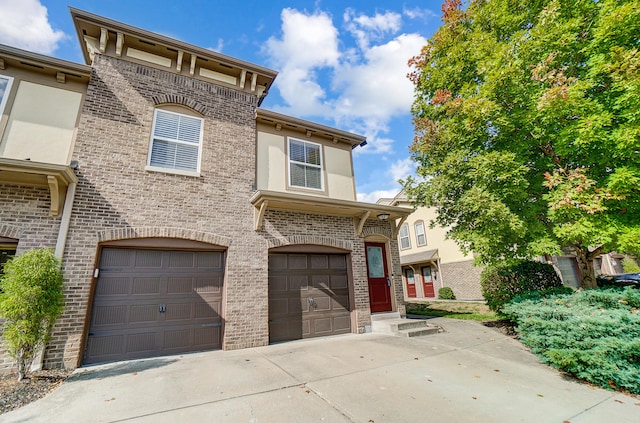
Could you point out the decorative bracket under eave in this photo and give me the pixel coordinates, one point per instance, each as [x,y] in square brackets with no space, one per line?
[258,215]
[57,193]
[360,221]
[395,227]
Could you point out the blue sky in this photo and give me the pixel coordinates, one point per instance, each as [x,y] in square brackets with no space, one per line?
[342,64]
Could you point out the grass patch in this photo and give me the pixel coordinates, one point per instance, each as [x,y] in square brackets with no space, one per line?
[453,309]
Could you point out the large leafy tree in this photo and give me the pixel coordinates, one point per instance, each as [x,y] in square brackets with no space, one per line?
[527,120]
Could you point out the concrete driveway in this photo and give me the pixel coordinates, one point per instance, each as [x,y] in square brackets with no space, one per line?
[470,373]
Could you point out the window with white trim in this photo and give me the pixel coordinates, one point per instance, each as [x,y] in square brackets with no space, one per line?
[176,142]
[5,87]
[305,164]
[405,241]
[421,237]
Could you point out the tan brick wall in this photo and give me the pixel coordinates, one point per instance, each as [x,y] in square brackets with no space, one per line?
[24,215]
[463,278]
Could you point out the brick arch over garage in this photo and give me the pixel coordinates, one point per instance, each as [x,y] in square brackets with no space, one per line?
[162,232]
[309,240]
[181,100]
[9,231]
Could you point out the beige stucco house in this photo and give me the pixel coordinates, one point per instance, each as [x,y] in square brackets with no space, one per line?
[430,260]
[198,220]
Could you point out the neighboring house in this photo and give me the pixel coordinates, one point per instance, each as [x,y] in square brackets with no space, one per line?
[201,221]
[429,260]
[40,102]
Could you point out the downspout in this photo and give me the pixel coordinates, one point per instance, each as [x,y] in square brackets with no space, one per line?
[440,273]
[65,221]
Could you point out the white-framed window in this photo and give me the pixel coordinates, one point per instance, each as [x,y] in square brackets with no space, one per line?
[411,280]
[426,274]
[405,241]
[421,237]
[305,164]
[5,88]
[176,142]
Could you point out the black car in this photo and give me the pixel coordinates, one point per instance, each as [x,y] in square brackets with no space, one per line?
[623,279]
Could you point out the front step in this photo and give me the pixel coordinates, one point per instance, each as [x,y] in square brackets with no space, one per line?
[392,324]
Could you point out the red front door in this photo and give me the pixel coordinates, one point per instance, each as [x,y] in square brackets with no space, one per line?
[411,283]
[427,283]
[378,275]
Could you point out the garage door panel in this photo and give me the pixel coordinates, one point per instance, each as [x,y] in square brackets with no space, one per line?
[146,286]
[113,286]
[339,282]
[298,282]
[322,326]
[148,259]
[297,261]
[340,302]
[319,261]
[147,313]
[155,309]
[342,324]
[138,342]
[338,262]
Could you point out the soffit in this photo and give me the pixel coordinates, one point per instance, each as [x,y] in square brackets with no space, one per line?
[280,121]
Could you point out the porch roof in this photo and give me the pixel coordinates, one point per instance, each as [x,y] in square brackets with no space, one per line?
[421,257]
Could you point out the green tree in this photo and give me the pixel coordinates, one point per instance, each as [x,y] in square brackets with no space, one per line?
[31,299]
[527,120]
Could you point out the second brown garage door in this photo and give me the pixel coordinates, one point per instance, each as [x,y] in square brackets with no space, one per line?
[308,296]
[153,302]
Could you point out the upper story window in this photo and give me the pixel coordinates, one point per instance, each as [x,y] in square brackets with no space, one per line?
[405,241]
[421,237]
[176,142]
[5,87]
[305,164]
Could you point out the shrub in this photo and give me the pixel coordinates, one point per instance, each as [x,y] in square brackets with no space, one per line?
[31,299]
[446,293]
[593,334]
[502,282]
[629,265]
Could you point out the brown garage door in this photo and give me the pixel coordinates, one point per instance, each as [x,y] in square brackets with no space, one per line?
[152,302]
[308,296]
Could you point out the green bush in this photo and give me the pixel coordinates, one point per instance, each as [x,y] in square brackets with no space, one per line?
[502,282]
[446,293]
[31,299]
[593,334]
[629,265]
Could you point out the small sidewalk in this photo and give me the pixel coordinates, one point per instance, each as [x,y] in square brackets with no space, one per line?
[470,373]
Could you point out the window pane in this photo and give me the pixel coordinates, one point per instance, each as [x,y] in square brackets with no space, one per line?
[189,129]
[166,125]
[313,177]
[174,156]
[298,175]
[405,241]
[426,274]
[374,261]
[313,154]
[296,151]
[410,279]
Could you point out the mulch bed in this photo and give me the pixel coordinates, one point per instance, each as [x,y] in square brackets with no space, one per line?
[504,326]
[14,394]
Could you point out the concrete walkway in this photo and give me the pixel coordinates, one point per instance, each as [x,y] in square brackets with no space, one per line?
[467,374]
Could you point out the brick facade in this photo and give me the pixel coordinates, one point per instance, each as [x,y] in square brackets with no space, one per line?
[463,278]
[117,198]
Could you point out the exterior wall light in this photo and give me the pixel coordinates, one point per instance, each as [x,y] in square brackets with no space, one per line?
[383,216]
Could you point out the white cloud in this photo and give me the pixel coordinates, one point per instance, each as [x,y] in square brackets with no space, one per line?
[24,24]
[219,46]
[360,88]
[402,168]
[419,13]
[366,28]
[373,196]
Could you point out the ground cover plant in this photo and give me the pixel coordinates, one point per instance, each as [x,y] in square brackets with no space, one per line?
[452,309]
[592,334]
